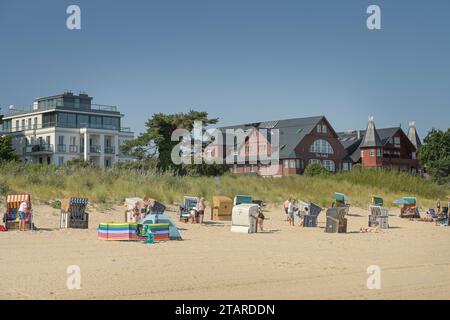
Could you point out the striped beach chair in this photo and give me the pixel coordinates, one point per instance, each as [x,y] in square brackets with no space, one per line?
[11,216]
[73,213]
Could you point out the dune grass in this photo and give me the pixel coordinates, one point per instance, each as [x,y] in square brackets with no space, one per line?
[48,182]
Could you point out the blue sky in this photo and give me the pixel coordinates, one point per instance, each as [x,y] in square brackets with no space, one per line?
[240,60]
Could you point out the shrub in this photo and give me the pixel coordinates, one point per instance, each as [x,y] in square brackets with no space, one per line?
[315,169]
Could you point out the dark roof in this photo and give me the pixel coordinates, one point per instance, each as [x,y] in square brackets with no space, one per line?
[371,137]
[291,131]
[351,142]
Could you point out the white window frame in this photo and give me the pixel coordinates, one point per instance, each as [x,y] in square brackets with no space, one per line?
[321,146]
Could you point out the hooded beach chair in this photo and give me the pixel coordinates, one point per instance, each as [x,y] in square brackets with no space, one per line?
[310,219]
[378,217]
[336,221]
[11,216]
[189,205]
[73,213]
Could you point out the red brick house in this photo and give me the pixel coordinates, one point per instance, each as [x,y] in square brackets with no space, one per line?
[301,141]
[382,148]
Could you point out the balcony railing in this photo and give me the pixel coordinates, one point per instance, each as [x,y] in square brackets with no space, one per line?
[71,106]
[110,150]
[39,148]
[64,125]
[61,148]
[73,148]
[95,149]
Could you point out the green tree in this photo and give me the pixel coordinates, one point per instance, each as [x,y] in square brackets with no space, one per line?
[156,141]
[435,155]
[7,152]
[315,169]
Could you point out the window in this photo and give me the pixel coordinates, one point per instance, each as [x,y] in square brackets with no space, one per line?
[319,128]
[329,165]
[244,168]
[372,152]
[111,123]
[17,125]
[321,146]
[67,120]
[82,121]
[297,163]
[324,129]
[286,164]
[60,161]
[60,140]
[413,156]
[23,124]
[378,152]
[35,122]
[96,122]
[72,140]
[292,164]
[48,120]
[252,169]
[314,161]
[397,142]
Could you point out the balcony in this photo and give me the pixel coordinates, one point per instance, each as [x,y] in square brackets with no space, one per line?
[73,148]
[95,149]
[39,149]
[70,106]
[110,150]
[61,148]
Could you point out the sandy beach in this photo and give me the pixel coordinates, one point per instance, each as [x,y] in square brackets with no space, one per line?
[212,263]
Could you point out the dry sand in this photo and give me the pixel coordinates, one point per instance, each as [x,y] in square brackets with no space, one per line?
[212,263]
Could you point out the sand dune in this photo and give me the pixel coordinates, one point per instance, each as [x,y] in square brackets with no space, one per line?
[212,263]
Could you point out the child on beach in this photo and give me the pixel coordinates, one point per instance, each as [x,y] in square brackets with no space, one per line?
[136,212]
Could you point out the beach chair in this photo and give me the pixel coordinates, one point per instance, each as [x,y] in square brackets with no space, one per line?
[11,216]
[221,208]
[188,208]
[378,217]
[73,213]
[239,199]
[310,219]
[438,218]
[336,221]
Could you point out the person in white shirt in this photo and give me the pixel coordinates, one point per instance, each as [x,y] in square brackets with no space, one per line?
[23,208]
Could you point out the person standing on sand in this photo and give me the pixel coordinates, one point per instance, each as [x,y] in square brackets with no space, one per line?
[291,212]
[22,214]
[285,206]
[261,218]
[201,210]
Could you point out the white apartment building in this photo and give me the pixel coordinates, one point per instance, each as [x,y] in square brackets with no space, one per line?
[67,126]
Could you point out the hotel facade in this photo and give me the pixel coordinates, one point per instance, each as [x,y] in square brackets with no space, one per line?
[63,127]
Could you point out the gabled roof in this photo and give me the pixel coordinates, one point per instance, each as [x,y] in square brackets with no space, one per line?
[292,131]
[371,137]
[351,142]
